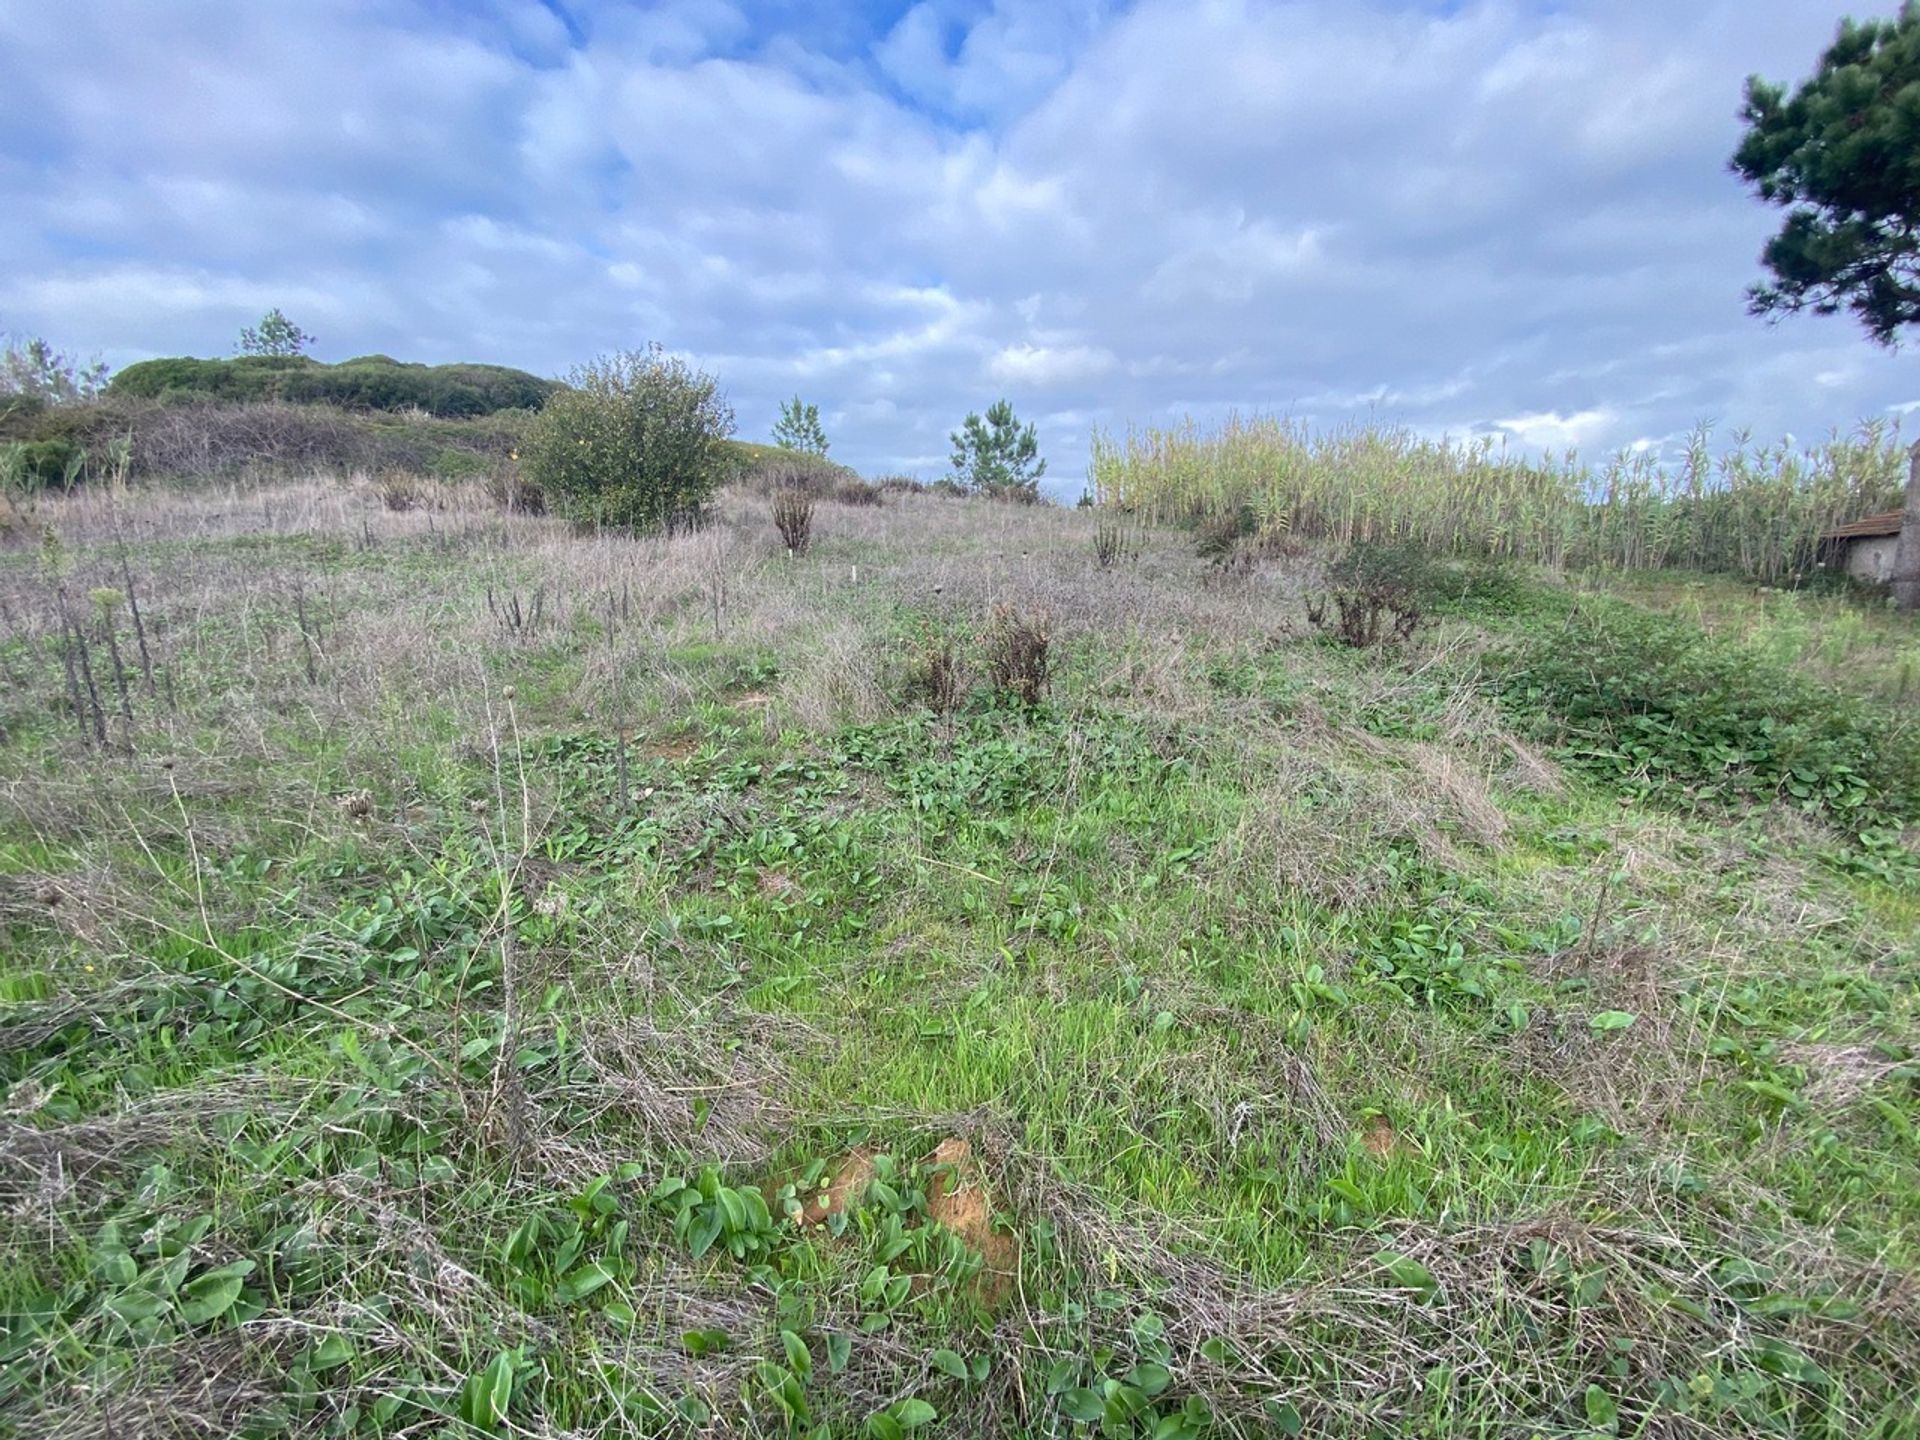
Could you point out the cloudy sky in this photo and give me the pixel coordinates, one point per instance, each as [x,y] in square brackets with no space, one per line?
[1463,215]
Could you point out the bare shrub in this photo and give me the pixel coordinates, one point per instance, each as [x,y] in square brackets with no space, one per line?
[400,491]
[937,676]
[809,475]
[793,518]
[1017,646]
[1113,541]
[514,493]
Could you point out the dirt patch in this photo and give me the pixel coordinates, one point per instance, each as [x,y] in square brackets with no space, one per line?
[778,885]
[1379,1137]
[752,700]
[845,1188]
[674,747]
[958,1198]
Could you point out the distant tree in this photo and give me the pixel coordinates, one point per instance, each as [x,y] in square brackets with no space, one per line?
[1842,155]
[799,429]
[274,335]
[998,456]
[32,371]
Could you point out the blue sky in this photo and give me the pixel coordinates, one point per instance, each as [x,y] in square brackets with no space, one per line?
[1471,218]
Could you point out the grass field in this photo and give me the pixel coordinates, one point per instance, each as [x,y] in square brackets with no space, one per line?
[460,976]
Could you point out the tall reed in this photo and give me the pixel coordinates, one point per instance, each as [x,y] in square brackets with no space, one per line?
[1753,510]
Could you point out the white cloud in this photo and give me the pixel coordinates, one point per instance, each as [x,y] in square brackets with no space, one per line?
[1497,217]
[1551,430]
[1047,366]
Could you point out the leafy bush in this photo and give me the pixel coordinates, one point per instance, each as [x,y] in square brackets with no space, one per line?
[206,439]
[1657,706]
[637,440]
[33,465]
[275,335]
[1378,592]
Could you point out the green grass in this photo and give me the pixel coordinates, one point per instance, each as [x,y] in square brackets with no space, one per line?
[434,1045]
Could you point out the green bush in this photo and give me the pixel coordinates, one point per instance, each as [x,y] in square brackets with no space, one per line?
[637,440]
[34,465]
[1656,705]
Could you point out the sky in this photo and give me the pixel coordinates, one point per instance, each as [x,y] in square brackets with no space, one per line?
[1511,218]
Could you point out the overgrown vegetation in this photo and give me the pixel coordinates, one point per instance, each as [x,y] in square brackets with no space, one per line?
[1654,705]
[464,974]
[1753,512]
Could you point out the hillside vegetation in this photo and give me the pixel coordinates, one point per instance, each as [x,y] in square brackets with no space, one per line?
[368,382]
[461,975]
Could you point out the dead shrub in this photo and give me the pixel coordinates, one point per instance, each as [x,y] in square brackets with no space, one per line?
[793,518]
[937,675]
[1363,618]
[1017,647]
[1113,541]
[400,492]
[514,493]
[811,476]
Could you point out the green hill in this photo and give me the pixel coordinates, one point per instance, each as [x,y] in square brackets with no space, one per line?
[368,382]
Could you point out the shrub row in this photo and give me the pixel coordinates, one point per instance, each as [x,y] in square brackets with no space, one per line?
[370,382]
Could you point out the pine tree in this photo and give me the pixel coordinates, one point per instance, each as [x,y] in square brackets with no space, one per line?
[998,456]
[799,429]
[1842,155]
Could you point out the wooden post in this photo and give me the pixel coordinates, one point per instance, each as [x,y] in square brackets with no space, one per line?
[1906,554]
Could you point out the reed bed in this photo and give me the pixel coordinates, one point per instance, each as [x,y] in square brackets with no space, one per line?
[1753,510]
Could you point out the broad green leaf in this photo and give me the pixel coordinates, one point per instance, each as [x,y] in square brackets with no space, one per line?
[948,1362]
[581,1283]
[133,1306]
[486,1395]
[799,1358]
[914,1413]
[1150,1378]
[839,1348]
[209,1296]
[1602,1412]
[1408,1273]
[1083,1404]
[330,1351]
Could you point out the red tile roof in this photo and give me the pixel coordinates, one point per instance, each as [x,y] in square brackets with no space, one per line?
[1887,524]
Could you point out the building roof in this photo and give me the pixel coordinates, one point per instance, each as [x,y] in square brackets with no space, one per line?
[1866,528]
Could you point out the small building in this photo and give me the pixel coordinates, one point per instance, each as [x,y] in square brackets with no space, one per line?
[1864,549]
